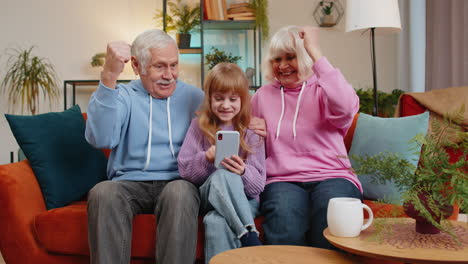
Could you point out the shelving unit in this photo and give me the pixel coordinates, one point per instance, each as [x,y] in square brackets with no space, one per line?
[240,38]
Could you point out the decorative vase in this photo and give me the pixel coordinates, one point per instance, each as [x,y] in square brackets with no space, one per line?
[424,226]
[183,40]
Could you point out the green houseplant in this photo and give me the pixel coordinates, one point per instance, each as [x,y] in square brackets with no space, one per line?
[217,56]
[437,183]
[27,76]
[327,7]
[182,18]
[386,101]
[327,18]
[98,59]
[261,16]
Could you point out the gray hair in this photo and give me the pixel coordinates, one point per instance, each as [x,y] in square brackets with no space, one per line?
[287,40]
[149,39]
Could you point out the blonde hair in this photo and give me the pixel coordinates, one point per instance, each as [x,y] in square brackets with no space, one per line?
[223,78]
[287,40]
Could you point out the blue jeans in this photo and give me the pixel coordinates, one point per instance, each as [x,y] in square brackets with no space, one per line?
[296,213]
[228,212]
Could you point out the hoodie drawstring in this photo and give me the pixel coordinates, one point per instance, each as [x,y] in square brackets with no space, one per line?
[148,151]
[282,113]
[169,125]
[297,108]
[278,127]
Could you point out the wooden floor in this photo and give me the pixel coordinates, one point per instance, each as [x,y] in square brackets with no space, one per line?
[461,217]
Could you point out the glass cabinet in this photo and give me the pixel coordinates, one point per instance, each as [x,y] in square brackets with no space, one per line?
[237,38]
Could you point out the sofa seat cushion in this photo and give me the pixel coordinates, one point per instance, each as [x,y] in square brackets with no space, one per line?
[65,231]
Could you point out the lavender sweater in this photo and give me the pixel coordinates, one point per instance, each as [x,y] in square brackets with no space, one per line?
[194,167]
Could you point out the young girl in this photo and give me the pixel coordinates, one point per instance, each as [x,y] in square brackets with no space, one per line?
[229,197]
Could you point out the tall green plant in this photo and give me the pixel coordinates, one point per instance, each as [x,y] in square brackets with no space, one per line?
[261,16]
[181,18]
[28,75]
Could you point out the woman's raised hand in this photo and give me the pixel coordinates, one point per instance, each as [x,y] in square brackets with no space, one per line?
[310,35]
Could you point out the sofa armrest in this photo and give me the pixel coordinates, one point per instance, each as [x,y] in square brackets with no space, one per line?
[20,201]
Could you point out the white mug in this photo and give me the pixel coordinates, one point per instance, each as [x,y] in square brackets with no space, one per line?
[345,217]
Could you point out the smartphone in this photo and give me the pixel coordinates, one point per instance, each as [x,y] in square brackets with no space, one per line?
[227,144]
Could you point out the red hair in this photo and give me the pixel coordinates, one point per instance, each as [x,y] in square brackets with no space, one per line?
[224,78]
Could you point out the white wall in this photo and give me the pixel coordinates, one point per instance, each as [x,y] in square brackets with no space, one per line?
[69,33]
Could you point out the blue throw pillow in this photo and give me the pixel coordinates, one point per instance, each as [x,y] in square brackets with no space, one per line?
[374,135]
[64,163]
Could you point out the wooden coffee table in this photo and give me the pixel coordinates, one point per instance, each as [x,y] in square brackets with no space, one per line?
[282,254]
[408,246]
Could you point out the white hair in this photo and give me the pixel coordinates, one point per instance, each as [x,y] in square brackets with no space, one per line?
[149,39]
[287,40]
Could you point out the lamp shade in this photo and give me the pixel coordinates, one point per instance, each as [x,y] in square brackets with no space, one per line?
[365,14]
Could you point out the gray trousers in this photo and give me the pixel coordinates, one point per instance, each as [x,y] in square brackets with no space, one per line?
[113,204]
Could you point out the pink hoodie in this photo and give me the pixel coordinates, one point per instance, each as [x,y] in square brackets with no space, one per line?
[306,144]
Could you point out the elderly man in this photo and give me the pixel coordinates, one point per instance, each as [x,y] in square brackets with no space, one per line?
[144,123]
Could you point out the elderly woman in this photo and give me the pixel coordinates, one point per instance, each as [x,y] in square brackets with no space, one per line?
[308,107]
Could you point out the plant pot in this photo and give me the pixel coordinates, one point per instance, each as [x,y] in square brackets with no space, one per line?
[183,40]
[424,226]
[327,21]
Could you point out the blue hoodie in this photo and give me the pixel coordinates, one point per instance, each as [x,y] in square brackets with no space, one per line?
[118,119]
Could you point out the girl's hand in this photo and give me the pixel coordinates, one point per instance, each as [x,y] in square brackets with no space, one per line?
[310,35]
[210,154]
[234,164]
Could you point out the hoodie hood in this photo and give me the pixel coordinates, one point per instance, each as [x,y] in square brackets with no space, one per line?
[277,84]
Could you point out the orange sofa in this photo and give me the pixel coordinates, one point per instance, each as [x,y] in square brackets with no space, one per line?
[30,234]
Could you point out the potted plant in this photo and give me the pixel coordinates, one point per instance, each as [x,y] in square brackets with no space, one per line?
[437,183]
[261,16]
[28,76]
[387,102]
[182,18]
[98,59]
[217,56]
[327,19]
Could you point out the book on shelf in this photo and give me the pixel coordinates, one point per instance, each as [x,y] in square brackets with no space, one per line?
[216,9]
[209,9]
[245,4]
[223,9]
[243,14]
[244,18]
[240,10]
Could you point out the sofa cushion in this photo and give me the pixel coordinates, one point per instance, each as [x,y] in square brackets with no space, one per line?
[65,231]
[65,165]
[374,135]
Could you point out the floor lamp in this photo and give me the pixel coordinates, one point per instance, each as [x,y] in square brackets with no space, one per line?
[380,16]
